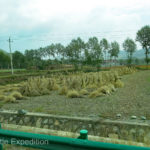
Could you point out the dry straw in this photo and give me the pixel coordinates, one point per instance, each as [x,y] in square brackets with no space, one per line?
[92,84]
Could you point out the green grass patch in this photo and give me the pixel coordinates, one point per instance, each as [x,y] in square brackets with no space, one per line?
[9,70]
[148,79]
[38,109]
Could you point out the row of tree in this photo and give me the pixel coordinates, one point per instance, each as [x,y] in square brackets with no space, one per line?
[92,52]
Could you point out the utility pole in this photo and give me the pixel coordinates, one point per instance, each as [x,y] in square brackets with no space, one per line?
[11,58]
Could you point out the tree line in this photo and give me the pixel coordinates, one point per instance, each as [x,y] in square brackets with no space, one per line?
[77,52]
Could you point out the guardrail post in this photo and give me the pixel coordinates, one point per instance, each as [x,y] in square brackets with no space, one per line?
[83,134]
[1,146]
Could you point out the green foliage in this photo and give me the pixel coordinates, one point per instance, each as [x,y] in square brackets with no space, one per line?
[114,49]
[4,59]
[38,109]
[105,47]
[143,36]
[18,60]
[137,61]
[93,52]
[74,51]
[130,47]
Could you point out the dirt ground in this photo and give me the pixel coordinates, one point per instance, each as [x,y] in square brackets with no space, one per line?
[132,99]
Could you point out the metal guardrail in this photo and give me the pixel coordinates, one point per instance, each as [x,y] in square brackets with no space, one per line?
[47,142]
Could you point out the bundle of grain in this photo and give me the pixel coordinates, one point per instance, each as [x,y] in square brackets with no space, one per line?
[95,94]
[119,84]
[10,99]
[2,97]
[16,95]
[72,94]
[63,90]
[111,87]
[84,92]
[104,89]
[75,83]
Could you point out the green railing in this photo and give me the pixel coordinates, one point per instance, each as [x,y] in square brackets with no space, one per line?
[47,142]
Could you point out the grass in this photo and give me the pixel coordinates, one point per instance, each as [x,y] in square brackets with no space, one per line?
[39,109]
[148,79]
[9,70]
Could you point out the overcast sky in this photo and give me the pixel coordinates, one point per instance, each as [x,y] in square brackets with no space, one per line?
[37,23]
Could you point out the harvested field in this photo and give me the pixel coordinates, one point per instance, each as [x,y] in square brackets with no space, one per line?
[132,99]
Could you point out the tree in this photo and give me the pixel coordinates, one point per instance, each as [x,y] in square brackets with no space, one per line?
[143,36]
[60,51]
[50,51]
[18,59]
[29,57]
[137,61]
[74,51]
[114,50]
[93,52]
[4,59]
[105,47]
[121,62]
[130,47]
[42,52]
[33,58]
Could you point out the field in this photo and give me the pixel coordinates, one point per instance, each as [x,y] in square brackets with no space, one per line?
[130,99]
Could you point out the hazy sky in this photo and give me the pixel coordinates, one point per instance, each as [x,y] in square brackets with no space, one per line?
[37,23]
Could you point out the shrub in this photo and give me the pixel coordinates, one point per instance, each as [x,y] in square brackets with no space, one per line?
[72,94]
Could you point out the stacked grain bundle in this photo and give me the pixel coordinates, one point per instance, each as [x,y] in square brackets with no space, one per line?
[10,93]
[73,85]
[38,86]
